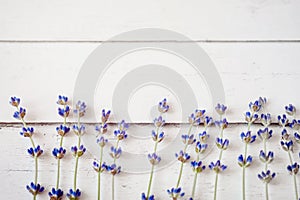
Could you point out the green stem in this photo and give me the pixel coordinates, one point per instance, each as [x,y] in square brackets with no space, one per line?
[194,185]
[32,142]
[180,174]
[58,174]
[216,186]
[267,191]
[244,172]
[294,175]
[113,187]
[99,173]
[75,173]
[150,182]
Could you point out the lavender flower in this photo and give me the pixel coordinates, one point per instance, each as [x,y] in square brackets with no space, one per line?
[74,194]
[217,167]
[163,106]
[267,176]
[290,109]
[175,193]
[154,159]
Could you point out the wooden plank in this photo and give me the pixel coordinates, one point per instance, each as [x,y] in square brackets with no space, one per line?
[198,20]
[19,170]
[39,72]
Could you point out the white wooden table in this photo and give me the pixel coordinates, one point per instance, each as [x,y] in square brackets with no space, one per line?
[254,45]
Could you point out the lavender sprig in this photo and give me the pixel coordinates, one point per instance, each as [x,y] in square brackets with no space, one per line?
[35,151]
[58,153]
[77,150]
[116,151]
[264,156]
[201,146]
[221,143]
[157,137]
[100,166]
[287,142]
[251,116]
[194,119]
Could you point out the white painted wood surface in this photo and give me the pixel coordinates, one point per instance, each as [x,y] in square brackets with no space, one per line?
[254,45]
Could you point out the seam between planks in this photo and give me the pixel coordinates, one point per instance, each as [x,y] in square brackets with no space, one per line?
[151,41]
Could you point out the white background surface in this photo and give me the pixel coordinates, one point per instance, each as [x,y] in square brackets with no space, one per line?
[254,45]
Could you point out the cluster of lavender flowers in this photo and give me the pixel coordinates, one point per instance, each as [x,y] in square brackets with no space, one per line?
[183,156]
[287,141]
[35,151]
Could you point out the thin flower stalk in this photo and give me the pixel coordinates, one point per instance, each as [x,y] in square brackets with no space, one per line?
[100,166]
[35,151]
[77,150]
[221,142]
[157,135]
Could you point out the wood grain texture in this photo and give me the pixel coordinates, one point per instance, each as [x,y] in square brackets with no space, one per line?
[16,168]
[39,72]
[200,20]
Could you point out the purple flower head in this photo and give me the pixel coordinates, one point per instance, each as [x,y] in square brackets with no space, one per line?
[115,152]
[163,106]
[62,100]
[101,141]
[293,169]
[255,106]
[105,116]
[290,110]
[123,126]
[264,134]
[297,137]
[154,159]
[203,136]
[175,193]
[62,130]
[207,121]
[27,131]
[113,169]
[247,137]
[20,114]
[80,108]
[200,148]
[74,195]
[78,152]
[295,124]
[188,139]
[99,167]
[217,167]
[35,152]
[159,122]
[287,145]
[35,189]
[262,101]
[14,101]
[143,197]
[282,120]
[102,128]
[250,118]
[79,130]
[56,194]
[266,158]
[285,135]
[265,119]
[222,143]
[182,157]
[194,120]
[197,166]
[59,153]
[158,137]
[221,108]
[222,124]
[243,162]
[266,177]
[121,135]
[64,112]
